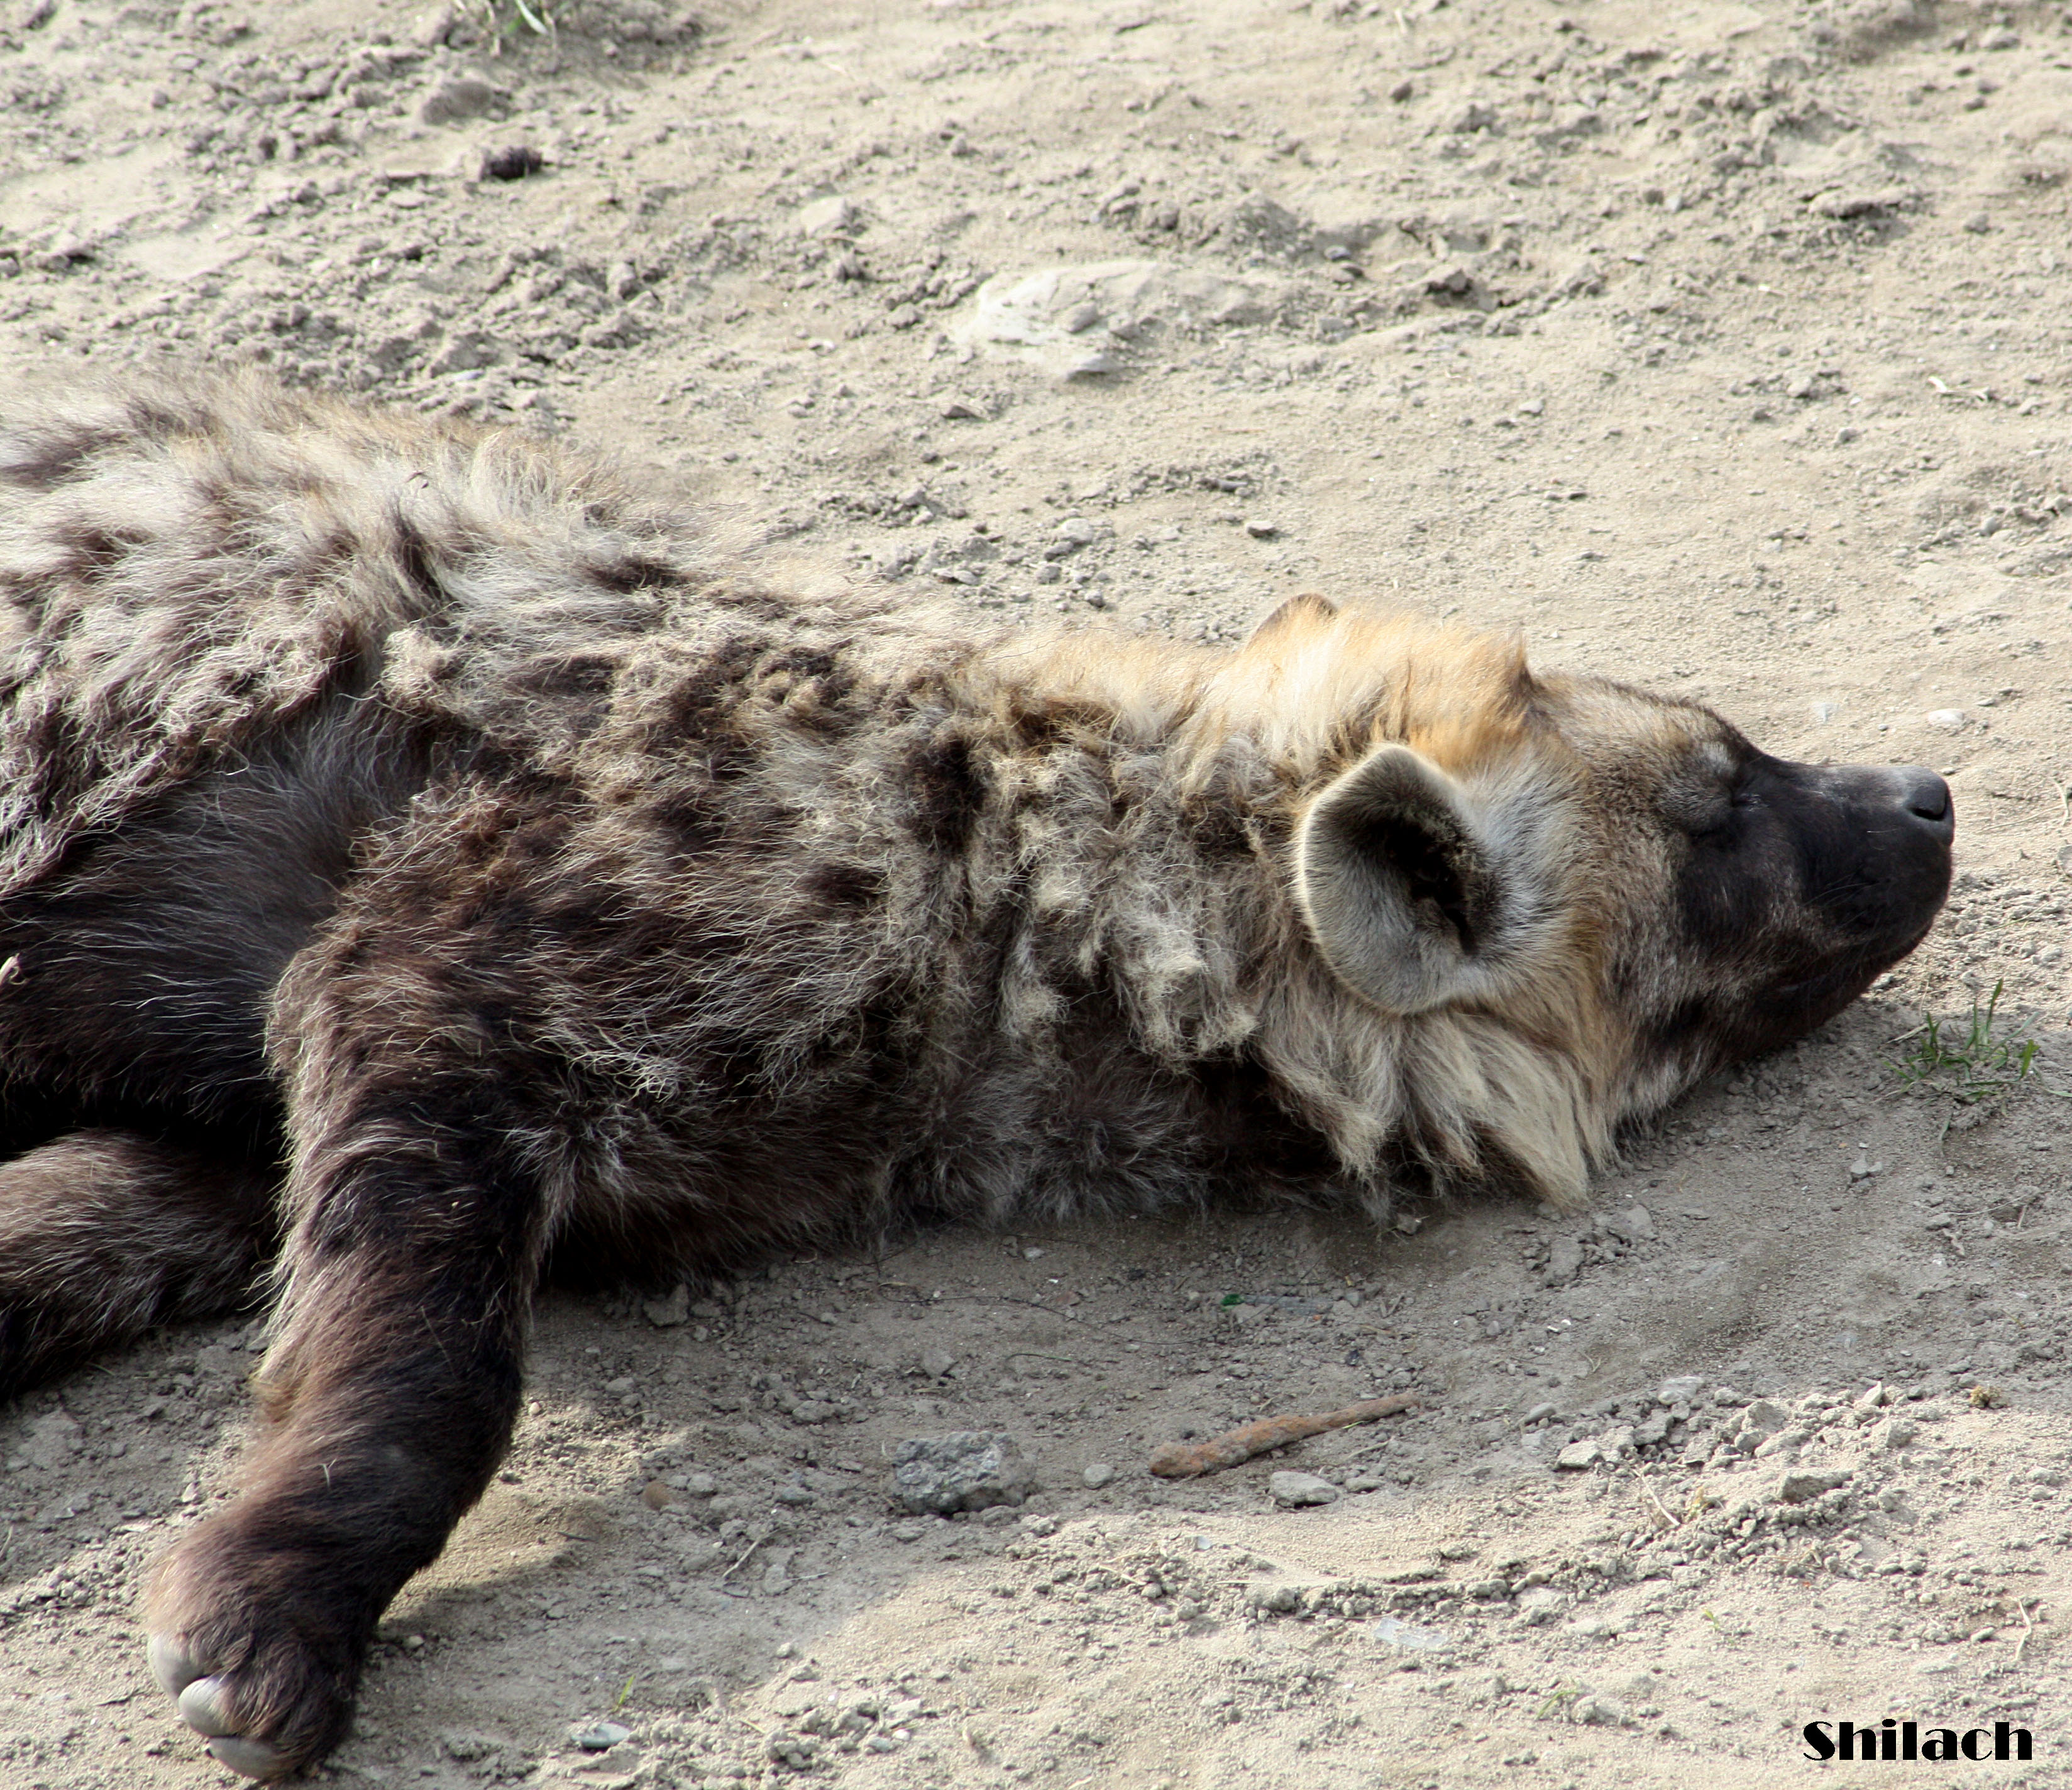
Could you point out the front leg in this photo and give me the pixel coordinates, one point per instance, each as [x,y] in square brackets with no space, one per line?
[388,1400]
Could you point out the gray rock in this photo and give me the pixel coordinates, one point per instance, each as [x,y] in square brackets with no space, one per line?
[1841,202]
[797,1751]
[1758,1423]
[1682,1390]
[673,1307]
[1540,1605]
[457,97]
[1097,1474]
[1579,1456]
[1635,1224]
[430,29]
[599,1737]
[53,1439]
[511,161]
[965,1470]
[1394,1631]
[1545,1409]
[1565,1261]
[827,217]
[467,352]
[218,1361]
[1894,1433]
[1292,1491]
[1808,1483]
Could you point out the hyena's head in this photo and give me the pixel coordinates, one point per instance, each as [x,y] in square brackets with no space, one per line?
[1618,878]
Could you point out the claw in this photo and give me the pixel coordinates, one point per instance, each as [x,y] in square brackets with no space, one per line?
[170,1665]
[251,1759]
[202,1709]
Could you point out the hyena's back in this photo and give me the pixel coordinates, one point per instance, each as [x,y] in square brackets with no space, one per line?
[183,571]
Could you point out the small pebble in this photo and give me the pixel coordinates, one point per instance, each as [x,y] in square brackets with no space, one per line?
[599,1737]
[1098,1475]
[1294,1490]
[458,97]
[1797,1487]
[673,1308]
[511,161]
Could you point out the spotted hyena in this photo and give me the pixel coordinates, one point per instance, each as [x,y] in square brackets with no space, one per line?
[422,868]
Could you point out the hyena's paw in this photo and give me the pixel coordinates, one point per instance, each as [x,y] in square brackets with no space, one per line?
[203,1702]
[265,1675]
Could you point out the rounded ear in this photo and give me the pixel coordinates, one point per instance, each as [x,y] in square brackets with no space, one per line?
[1307,607]
[1396,877]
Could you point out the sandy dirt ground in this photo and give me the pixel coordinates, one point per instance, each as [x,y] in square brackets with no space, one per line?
[1719,346]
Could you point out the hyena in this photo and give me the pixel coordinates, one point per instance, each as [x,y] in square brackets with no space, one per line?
[425,870]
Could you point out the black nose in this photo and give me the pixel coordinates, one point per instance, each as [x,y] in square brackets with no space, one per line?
[1927,797]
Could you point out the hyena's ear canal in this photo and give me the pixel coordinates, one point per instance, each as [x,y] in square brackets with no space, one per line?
[1397,882]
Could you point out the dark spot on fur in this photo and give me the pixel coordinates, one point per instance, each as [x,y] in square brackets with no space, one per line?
[710,689]
[1037,729]
[949,792]
[727,758]
[42,459]
[1219,829]
[691,822]
[731,1068]
[845,884]
[413,554]
[92,548]
[762,605]
[572,675]
[622,575]
[805,661]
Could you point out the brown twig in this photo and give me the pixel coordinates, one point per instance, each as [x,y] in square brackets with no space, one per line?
[1184,1460]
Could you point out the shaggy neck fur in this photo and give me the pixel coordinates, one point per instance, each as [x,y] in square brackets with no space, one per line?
[1210,963]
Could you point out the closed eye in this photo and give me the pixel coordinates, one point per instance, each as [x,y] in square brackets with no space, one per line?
[1714,815]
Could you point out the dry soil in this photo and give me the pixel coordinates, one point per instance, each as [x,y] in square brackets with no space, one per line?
[1719,346]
